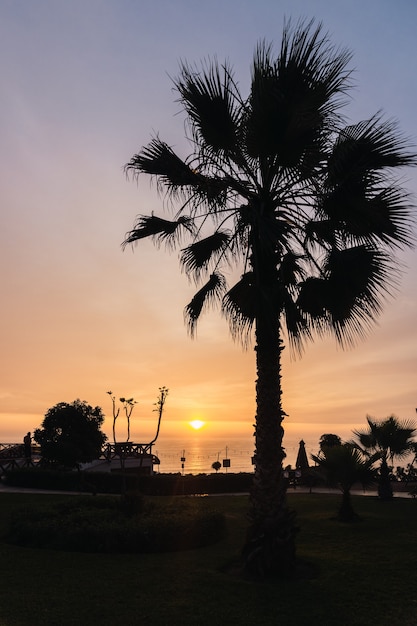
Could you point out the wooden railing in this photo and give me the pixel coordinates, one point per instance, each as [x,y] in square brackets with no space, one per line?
[12,450]
[127,449]
[12,456]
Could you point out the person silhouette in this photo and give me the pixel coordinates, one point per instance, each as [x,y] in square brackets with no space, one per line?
[27,441]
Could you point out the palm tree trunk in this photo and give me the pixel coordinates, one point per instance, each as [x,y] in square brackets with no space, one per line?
[346,512]
[270,546]
[268,428]
[384,485]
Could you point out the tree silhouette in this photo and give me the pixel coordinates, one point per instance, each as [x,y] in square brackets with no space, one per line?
[216,466]
[71,434]
[344,465]
[307,209]
[329,440]
[160,403]
[128,405]
[390,439]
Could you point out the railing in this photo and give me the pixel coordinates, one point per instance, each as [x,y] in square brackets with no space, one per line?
[12,450]
[127,450]
[12,456]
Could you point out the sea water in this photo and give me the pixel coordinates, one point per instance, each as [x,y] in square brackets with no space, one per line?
[235,453]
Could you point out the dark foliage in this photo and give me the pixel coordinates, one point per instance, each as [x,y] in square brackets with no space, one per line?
[71,434]
[103,482]
[329,440]
[342,466]
[390,438]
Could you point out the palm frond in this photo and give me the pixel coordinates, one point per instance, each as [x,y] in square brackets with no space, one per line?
[197,256]
[296,323]
[365,148]
[390,437]
[371,216]
[312,297]
[209,294]
[293,100]
[358,279]
[321,231]
[159,229]
[175,175]
[357,199]
[159,159]
[348,296]
[366,440]
[345,465]
[291,270]
[239,308]
[387,217]
[210,100]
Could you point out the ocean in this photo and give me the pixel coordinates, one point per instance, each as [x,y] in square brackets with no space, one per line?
[200,453]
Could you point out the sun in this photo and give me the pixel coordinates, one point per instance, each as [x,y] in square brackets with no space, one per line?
[196,424]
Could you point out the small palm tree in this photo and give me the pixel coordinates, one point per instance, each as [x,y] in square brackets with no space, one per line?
[303,205]
[391,439]
[344,465]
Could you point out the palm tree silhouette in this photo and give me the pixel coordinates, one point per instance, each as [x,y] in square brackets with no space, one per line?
[304,205]
[390,439]
[344,465]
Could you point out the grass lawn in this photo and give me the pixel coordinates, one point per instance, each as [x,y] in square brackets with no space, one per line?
[363,573]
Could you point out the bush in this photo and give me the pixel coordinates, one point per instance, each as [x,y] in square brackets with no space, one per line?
[104,524]
[103,482]
[65,480]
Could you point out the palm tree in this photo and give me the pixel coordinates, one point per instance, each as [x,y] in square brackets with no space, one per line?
[343,466]
[392,439]
[304,206]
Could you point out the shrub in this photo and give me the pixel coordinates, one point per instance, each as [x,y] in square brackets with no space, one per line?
[103,482]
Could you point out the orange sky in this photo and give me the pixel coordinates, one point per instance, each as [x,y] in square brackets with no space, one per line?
[83,90]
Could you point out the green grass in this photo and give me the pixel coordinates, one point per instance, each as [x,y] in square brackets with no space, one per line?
[364,573]
[110,524]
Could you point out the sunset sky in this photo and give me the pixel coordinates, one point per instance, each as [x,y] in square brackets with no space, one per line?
[85,84]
